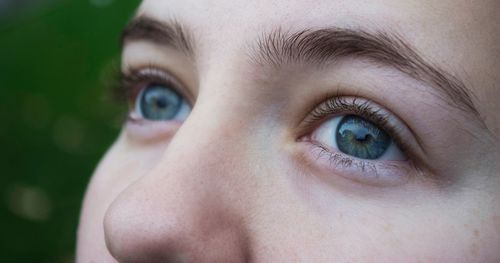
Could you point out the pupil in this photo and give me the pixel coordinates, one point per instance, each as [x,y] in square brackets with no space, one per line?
[161,102]
[361,138]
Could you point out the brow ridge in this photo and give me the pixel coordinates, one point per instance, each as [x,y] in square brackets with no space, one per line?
[320,46]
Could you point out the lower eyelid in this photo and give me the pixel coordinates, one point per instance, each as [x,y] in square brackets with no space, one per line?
[375,173]
[150,131]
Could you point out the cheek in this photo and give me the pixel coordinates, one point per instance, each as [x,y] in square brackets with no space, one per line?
[440,231]
[394,228]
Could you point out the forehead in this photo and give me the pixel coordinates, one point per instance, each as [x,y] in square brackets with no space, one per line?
[428,25]
[255,14]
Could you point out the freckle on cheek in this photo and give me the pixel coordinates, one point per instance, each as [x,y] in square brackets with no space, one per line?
[476,233]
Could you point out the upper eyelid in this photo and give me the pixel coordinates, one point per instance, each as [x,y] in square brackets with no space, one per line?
[368,102]
[150,72]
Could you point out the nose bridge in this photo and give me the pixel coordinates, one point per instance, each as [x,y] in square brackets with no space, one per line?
[182,209]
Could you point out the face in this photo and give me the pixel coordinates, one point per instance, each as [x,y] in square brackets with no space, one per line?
[300,131]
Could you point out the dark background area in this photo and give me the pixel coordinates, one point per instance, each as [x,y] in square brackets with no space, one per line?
[55,118]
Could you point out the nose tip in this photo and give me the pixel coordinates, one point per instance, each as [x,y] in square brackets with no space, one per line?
[178,229]
[190,206]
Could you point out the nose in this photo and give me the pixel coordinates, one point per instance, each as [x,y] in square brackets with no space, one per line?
[181,211]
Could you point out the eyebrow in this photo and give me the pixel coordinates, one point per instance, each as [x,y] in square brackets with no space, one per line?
[317,47]
[170,33]
[320,46]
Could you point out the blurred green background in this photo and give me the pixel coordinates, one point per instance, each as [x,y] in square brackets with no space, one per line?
[55,119]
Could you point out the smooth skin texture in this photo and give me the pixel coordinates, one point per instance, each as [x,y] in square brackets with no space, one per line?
[235,181]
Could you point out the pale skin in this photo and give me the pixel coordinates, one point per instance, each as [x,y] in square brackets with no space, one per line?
[238,179]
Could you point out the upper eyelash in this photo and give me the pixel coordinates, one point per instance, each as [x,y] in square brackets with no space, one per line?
[125,83]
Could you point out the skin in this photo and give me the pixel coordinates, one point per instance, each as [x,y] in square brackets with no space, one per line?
[234,182]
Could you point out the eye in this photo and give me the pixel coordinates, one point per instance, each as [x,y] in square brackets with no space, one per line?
[160,102]
[360,140]
[357,137]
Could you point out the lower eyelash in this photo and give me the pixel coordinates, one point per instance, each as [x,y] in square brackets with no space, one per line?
[378,173]
[339,159]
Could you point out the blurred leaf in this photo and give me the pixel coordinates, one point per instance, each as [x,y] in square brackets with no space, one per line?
[55,124]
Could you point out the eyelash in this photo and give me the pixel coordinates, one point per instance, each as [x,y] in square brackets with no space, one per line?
[339,105]
[132,82]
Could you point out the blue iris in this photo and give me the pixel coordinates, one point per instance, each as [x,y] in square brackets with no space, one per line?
[360,138]
[158,102]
